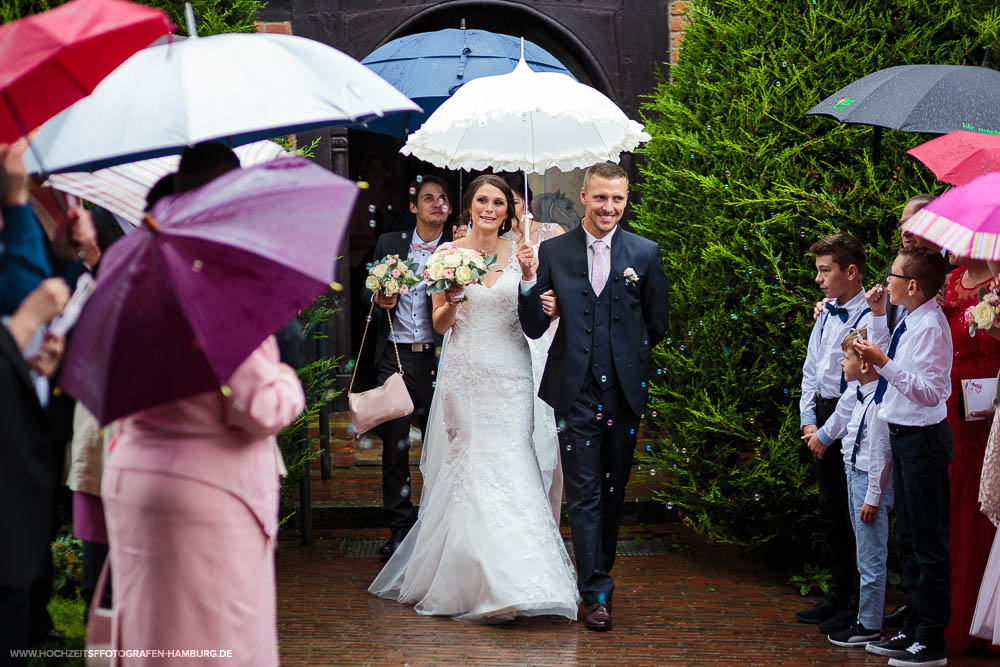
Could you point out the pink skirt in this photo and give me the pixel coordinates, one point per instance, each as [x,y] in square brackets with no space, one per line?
[192,571]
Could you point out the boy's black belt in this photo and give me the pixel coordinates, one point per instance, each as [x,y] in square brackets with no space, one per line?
[900,429]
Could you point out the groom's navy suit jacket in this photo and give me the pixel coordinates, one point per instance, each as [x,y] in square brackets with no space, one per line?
[638,315]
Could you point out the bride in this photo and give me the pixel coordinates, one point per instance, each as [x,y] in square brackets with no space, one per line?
[485,546]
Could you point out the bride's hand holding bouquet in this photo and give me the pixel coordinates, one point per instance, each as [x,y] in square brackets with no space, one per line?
[451,269]
[390,277]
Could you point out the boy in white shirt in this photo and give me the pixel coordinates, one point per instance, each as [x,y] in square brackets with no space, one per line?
[868,465]
[915,383]
[840,267]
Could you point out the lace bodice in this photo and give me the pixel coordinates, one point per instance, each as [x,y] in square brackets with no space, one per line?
[487,342]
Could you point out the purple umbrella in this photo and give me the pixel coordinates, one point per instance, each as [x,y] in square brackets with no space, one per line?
[182,301]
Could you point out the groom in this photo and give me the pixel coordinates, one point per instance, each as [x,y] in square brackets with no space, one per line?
[611,290]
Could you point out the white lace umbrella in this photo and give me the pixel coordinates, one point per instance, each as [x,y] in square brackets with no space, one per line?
[122,189]
[525,121]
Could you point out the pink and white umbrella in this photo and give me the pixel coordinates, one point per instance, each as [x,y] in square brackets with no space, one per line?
[122,189]
[964,220]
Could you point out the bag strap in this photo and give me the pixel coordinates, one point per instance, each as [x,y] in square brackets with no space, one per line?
[392,337]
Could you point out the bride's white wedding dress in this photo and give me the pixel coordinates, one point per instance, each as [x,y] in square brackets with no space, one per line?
[485,546]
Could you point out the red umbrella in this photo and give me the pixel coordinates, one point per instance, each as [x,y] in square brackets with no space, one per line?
[54,58]
[960,156]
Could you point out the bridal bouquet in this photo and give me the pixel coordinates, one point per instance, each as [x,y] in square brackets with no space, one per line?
[392,275]
[455,266]
[984,314]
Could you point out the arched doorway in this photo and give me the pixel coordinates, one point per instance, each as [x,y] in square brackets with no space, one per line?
[367,148]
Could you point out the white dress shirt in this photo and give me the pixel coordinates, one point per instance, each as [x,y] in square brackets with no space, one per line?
[821,372]
[874,454]
[919,374]
[413,322]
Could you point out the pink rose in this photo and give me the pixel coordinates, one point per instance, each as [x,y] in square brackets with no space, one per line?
[427,274]
[449,274]
[396,273]
[390,261]
[403,289]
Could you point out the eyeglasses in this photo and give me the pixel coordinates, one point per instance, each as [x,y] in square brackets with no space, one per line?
[896,275]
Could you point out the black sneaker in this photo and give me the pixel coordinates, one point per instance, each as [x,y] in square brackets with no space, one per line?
[856,635]
[893,646]
[920,655]
[819,613]
[838,623]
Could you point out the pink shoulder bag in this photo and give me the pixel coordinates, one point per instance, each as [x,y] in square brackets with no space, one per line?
[376,406]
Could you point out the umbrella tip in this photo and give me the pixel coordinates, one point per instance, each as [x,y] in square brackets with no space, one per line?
[151,223]
[463,24]
[189,18]
[522,48]
[986,56]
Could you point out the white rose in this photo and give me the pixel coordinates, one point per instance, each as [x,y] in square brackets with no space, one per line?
[463,274]
[983,314]
[452,259]
[390,287]
[479,262]
[371,282]
[436,271]
[379,270]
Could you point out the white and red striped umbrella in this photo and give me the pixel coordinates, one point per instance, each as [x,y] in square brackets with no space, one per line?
[122,189]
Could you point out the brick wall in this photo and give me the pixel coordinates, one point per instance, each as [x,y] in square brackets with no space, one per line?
[279,27]
[678,23]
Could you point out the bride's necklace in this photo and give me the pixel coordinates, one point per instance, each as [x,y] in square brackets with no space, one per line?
[484,251]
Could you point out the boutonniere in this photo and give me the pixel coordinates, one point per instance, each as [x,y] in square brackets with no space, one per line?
[631,275]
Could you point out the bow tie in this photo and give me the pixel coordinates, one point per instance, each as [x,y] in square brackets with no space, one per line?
[837,310]
[430,247]
[861,397]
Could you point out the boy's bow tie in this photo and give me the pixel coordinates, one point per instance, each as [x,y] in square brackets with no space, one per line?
[837,310]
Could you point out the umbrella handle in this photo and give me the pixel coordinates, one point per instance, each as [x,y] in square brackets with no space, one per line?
[151,223]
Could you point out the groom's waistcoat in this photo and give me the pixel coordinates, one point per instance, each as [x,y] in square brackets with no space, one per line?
[602,363]
[632,317]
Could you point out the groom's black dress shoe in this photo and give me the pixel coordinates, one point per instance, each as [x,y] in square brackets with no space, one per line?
[598,618]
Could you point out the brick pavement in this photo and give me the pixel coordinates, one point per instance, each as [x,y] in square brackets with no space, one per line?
[697,605]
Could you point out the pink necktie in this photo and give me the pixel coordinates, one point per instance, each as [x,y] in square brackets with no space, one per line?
[599,272]
[426,247]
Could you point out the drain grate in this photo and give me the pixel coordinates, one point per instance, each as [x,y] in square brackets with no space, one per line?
[651,547]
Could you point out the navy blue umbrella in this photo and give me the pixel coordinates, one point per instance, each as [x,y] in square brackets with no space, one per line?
[428,67]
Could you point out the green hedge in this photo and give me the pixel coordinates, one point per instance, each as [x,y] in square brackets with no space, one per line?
[736,186]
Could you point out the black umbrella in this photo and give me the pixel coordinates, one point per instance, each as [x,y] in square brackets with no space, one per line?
[934,99]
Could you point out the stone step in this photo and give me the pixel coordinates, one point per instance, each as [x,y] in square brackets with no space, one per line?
[349,449]
[352,497]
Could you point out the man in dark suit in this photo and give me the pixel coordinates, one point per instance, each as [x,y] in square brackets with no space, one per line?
[27,487]
[417,343]
[612,293]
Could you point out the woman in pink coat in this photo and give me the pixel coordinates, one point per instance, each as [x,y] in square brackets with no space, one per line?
[191,499]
